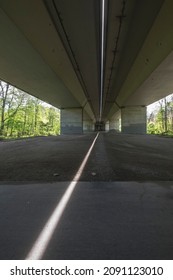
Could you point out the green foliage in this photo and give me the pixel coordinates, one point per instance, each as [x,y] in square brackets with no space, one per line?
[161,121]
[22,115]
[151,128]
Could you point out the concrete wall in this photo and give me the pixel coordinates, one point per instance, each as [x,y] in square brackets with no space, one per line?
[71,121]
[133,119]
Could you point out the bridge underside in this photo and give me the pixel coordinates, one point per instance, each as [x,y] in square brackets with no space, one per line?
[52,49]
[122,204]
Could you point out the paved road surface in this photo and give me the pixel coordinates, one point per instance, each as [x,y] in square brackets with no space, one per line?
[122,207]
[115,157]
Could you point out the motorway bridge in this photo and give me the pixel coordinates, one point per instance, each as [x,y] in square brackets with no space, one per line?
[99,61]
[94,195]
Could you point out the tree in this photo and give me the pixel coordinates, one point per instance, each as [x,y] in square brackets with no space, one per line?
[3,94]
[161,120]
[11,100]
[24,115]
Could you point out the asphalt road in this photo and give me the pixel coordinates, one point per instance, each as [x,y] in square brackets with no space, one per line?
[115,157]
[121,208]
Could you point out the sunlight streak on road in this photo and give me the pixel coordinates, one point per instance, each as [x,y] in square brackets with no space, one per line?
[42,242]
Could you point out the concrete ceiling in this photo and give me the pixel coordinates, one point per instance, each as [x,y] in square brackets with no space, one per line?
[51,49]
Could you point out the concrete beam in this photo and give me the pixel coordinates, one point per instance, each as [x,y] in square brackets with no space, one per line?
[22,66]
[33,57]
[156,47]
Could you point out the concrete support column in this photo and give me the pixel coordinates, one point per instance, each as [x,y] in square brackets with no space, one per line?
[133,119]
[88,126]
[115,121]
[107,124]
[72,121]
[114,124]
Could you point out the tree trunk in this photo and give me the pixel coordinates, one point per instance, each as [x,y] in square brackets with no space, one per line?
[12,125]
[36,117]
[2,122]
[24,124]
[165,116]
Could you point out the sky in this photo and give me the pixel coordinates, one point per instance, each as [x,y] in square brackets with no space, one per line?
[155,106]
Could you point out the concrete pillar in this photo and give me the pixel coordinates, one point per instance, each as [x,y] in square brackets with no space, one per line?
[115,121]
[114,124]
[72,121]
[133,119]
[107,124]
[88,126]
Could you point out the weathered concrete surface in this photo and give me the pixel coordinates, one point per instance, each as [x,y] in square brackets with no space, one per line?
[115,157]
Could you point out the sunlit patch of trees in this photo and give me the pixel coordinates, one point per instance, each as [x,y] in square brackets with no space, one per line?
[22,115]
[160,121]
